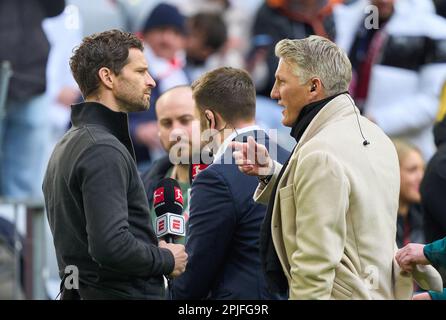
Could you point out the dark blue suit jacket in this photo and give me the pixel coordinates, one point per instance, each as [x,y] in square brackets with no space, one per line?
[223,235]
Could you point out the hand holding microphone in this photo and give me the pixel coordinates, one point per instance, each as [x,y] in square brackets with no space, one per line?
[168,204]
[179,254]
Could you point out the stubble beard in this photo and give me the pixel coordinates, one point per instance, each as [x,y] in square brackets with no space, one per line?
[128,101]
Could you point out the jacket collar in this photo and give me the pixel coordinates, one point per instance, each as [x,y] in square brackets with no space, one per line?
[93,113]
[339,107]
[306,115]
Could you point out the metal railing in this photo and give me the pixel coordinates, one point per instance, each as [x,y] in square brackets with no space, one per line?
[34,245]
[34,249]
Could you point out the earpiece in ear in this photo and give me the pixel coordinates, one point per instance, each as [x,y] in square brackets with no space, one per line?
[208,119]
[313,88]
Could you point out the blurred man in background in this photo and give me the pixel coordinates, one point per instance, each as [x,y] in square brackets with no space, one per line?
[281,19]
[399,65]
[206,37]
[24,131]
[175,113]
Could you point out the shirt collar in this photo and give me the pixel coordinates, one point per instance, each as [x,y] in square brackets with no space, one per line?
[222,149]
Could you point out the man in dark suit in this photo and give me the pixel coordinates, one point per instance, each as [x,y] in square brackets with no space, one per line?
[224,223]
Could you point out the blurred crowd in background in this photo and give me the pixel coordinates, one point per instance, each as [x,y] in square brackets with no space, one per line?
[398,54]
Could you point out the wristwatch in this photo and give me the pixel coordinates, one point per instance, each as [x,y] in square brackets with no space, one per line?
[265,180]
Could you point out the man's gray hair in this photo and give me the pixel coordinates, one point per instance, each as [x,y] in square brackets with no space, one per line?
[317,57]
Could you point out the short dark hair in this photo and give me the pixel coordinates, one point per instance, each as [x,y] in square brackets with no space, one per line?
[212,27]
[228,91]
[106,49]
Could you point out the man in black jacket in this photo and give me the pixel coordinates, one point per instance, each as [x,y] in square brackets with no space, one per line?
[96,204]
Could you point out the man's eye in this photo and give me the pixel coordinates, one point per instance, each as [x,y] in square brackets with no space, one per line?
[185,121]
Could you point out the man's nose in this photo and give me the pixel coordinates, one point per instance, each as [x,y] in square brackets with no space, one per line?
[274,93]
[179,127]
[149,81]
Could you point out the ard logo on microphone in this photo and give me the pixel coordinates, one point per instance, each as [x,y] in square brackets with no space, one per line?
[170,223]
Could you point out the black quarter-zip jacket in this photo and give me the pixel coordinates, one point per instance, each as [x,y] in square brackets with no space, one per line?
[98,210]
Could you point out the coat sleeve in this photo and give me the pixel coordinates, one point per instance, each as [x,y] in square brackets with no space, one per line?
[321,194]
[212,223]
[103,176]
[438,296]
[435,252]
[425,276]
[263,193]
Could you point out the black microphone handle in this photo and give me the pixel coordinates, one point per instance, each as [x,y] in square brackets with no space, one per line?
[169,238]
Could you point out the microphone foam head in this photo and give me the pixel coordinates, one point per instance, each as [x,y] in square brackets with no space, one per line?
[168,197]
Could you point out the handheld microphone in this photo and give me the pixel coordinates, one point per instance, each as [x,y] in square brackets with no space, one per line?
[168,204]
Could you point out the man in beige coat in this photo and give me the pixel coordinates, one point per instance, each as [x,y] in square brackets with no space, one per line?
[333,205]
